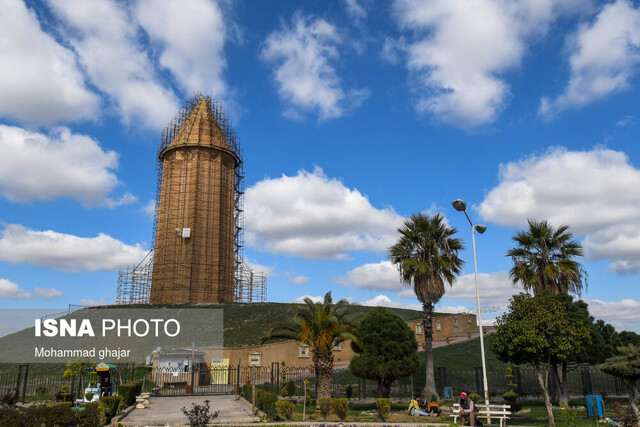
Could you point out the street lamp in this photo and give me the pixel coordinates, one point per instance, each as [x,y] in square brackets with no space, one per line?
[461,206]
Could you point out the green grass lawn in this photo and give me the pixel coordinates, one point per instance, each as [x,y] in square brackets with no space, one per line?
[367,413]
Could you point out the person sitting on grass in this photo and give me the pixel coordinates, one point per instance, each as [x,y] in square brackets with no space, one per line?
[433,408]
[467,408]
[414,408]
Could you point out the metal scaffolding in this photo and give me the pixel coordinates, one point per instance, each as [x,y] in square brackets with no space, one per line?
[194,190]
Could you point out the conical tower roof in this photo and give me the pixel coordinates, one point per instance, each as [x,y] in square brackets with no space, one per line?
[200,129]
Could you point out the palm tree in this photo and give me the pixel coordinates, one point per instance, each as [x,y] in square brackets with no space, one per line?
[543,260]
[321,326]
[426,255]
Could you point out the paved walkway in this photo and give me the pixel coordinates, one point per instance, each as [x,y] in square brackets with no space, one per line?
[165,411]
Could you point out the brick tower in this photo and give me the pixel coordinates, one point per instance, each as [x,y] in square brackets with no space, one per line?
[194,242]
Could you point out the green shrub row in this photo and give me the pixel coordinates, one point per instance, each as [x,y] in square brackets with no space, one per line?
[50,416]
[129,391]
[265,401]
[110,406]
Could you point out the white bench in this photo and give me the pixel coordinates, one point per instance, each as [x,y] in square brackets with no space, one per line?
[500,412]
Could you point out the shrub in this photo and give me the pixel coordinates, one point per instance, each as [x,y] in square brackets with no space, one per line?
[384,408]
[9,398]
[199,415]
[92,416]
[625,416]
[325,407]
[476,398]
[266,402]
[11,417]
[569,414]
[284,409]
[340,407]
[349,391]
[41,391]
[246,392]
[88,396]
[110,406]
[65,404]
[129,391]
[512,398]
[291,388]
[284,392]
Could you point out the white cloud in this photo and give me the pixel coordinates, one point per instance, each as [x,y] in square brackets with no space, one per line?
[47,293]
[385,301]
[191,36]
[458,73]
[306,79]
[9,289]
[104,35]
[92,303]
[312,216]
[40,83]
[66,252]
[300,300]
[620,243]
[604,56]
[625,121]
[587,190]
[34,166]
[382,276]
[594,192]
[298,280]
[150,208]
[355,10]
[265,270]
[623,314]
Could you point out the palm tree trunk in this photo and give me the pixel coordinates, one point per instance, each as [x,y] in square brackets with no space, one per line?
[545,392]
[324,367]
[427,325]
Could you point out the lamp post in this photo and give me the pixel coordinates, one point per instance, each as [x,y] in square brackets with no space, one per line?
[461,206]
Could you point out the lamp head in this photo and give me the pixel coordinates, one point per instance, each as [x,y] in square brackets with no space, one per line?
[459,205]
[481,228]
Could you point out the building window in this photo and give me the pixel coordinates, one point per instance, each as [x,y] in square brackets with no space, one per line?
[455,322]
[469,318]
[303,351]
[338,346]
[418,329]
[438,326]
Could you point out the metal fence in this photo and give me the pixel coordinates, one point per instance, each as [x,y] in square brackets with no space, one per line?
[39,382]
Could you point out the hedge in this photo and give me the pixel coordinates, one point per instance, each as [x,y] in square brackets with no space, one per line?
[110,406]
[129,391]
[59,415]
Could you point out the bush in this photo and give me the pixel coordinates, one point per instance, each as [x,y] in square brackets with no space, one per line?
[512,398]
[199,415]
[9,398]
[340,407]
[41,391]
[266,402]
[476,398]
[284,409]
[110,406]
[325,407]
[129,391]
[291,388]
[65,404]
[284,392]
[59,415]
[92,416]
[246,392]
[11,417]
[384,408]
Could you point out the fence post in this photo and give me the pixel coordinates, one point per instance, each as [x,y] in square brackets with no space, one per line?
[24,384]
[586,380]
[479,380]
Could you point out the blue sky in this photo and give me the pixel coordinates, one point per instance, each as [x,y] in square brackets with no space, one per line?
[353,115]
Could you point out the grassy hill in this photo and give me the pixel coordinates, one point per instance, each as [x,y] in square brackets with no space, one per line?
[244,324]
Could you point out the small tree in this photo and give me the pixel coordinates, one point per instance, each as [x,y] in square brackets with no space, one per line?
[533,331]
[626,366]
[389,350]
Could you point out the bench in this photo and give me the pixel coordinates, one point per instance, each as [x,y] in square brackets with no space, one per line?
[500,412]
